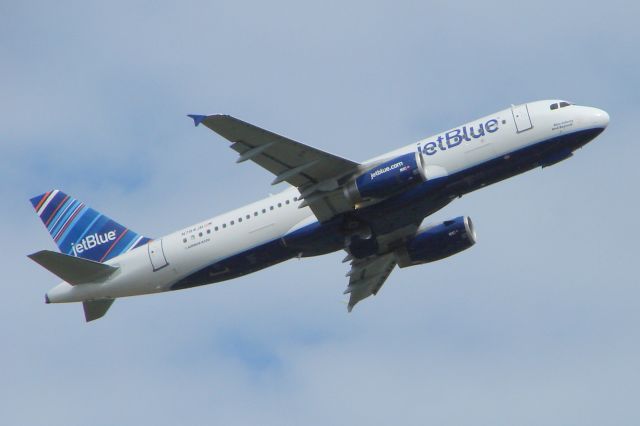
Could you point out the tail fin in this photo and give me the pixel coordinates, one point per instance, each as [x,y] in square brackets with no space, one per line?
[81,231]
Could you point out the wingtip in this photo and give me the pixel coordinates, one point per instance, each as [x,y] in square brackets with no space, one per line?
[197,119]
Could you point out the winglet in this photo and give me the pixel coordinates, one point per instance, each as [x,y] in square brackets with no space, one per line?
[197,119]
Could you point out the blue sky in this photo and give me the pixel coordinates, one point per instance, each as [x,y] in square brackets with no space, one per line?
[536,324]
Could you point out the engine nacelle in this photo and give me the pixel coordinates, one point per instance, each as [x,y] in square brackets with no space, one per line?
[435,242]
[387,178]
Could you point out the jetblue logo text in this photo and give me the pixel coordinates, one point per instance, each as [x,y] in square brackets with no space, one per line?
[389,168]
[91,241]
[455,137]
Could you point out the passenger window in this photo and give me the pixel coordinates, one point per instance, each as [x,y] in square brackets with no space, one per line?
[231,223]
[248,216]
[216,228]
[287,202]
[184,240]
[208,231]
[224,225]
[270,207]
[554,106]
[279,204]
[239,219]
[264,210]
[255,213]
[200,234]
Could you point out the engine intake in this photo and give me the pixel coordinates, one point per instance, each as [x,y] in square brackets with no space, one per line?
[435,242]
[387,178]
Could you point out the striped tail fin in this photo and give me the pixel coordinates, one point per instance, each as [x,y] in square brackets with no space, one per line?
[81,231]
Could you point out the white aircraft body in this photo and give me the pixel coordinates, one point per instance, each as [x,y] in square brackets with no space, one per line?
[373,210]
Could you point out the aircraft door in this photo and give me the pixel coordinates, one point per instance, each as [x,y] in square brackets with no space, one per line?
[521,117]
[156,255]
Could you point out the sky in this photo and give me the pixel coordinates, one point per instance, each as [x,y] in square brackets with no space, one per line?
[535,324]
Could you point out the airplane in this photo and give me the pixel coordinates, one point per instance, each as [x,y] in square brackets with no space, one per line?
[373,210]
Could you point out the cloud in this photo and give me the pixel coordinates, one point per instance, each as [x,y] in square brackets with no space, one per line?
[536,324]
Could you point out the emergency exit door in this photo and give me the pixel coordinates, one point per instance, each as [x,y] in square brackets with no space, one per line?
[521,117]
[156,255]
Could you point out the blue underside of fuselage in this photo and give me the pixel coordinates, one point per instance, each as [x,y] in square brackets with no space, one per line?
[408,207]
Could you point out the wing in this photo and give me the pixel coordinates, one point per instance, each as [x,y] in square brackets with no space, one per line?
[367,276]
[300,165]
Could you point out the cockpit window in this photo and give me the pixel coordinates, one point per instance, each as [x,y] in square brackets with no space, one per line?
[559,105]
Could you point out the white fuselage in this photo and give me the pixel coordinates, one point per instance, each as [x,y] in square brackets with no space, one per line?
[158,265]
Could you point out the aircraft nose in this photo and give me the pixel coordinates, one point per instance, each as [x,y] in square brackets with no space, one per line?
[600,118]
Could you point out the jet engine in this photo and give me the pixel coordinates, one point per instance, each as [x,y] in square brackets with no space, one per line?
[386,178]
[435,242]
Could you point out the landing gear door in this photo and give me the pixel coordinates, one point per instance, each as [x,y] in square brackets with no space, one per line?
[156,255]
[521,117]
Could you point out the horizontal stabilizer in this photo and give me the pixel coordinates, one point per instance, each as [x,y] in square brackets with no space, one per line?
[95,309]
[73,270]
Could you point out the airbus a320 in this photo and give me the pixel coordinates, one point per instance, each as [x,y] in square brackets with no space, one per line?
[373,210]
